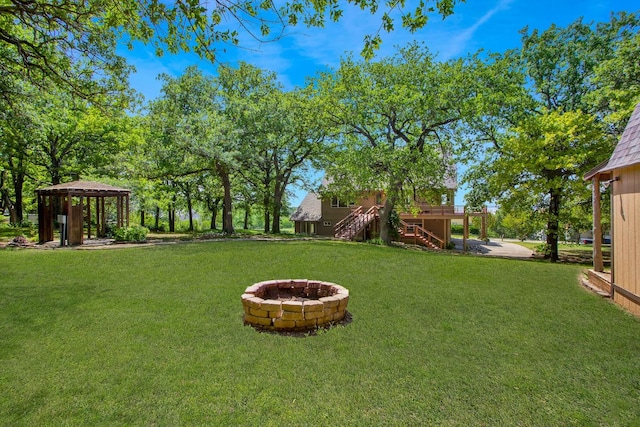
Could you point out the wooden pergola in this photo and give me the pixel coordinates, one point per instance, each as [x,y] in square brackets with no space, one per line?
[70,199]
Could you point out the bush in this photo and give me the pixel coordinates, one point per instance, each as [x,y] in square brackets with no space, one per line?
[135,233]
[378,241]
[459,229]
[543,249]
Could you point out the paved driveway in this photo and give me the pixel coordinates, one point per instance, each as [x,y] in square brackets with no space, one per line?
[495,247]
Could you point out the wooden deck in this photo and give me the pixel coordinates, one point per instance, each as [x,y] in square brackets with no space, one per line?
[599,282]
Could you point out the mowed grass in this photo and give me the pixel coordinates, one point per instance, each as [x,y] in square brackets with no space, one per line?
[154,336]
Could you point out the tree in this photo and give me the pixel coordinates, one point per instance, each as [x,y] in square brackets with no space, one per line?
[73,137]
[397,120]
[17,128]
[554,134]
[300,139]
[617,81]
[73,41]
[190,135]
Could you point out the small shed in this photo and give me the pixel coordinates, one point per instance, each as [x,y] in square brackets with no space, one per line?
[622,174]
[70,204]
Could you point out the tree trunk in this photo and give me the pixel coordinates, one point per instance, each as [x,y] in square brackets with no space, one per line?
[553,225]
[18,186]
[172,220]
[142,217]
[157,225]
[247,213]
[212,204]
[227,210]
[277,207]
[385,212]
[190,208]
[266,203]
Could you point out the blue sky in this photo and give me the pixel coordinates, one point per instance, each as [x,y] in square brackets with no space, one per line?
[492,25]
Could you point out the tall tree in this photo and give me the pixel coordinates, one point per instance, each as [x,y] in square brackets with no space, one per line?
[397,120]
[74,137]
[190,135]
[553,134]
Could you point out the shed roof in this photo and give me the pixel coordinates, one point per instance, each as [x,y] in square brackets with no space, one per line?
[83,188]
[596,171]
[310,209]
[627,152]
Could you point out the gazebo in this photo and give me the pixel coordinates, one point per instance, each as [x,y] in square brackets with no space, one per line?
[67,203]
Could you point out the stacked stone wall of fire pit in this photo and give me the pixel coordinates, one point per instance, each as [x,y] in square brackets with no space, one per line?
[294,305]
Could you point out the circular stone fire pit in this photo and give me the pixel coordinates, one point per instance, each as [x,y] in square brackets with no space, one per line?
[294,304]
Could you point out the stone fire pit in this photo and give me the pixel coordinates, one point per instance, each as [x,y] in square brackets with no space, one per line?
[294,304]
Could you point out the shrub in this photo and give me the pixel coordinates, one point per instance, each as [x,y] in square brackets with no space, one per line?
[378,241]
[135,233]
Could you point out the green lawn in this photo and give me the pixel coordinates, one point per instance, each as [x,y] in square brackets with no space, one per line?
[153,336]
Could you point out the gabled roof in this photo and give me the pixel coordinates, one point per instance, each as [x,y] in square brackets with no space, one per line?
[310,209]
[627,152]
[84,188]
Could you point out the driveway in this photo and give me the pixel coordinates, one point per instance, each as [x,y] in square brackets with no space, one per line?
[495,247]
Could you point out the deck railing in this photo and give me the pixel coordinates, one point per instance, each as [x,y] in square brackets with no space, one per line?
[417,232]
[425,208]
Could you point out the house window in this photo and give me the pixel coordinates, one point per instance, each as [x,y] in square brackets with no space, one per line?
[327,223]
[337,203]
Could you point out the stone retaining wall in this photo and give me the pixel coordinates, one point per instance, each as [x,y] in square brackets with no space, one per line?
[294,305]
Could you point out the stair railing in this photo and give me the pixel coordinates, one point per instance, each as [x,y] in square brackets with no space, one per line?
[417,231]
[347,220]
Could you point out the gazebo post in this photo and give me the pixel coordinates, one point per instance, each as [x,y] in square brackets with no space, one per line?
[98,231]
[81,219]
[41,220]
[69,218]
[119,220]
[127,199]
[102,217]
[88,217]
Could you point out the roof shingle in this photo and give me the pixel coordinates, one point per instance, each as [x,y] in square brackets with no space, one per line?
[627,152]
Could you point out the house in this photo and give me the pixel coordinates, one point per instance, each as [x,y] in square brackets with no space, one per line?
[426,224]
[621,174]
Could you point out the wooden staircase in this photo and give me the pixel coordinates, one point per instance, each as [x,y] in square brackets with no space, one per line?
[351,225]
[420,235]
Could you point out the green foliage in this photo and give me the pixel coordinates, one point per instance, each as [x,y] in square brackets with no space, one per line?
[543,249]
[397,121]
[459,229]
[555,133]
[134,233]
[377,241]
